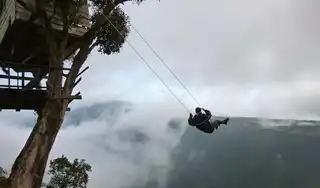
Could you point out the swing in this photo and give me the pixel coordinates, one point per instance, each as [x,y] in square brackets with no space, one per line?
[198,115]
[156,74]
[208,120]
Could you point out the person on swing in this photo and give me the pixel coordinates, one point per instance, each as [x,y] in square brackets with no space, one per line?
[202,121]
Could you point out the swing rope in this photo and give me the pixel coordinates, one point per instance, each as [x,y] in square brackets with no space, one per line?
[166,65]
[149,66]
[161,60]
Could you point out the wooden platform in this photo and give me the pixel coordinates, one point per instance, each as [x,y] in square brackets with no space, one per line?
[15,99]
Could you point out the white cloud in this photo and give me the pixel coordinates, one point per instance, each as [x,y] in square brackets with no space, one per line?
[113,159]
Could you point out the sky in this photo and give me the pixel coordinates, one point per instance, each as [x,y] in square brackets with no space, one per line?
[249,58]
[240,58]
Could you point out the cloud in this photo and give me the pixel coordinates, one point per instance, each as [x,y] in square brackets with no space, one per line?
[231,46]
[119,144]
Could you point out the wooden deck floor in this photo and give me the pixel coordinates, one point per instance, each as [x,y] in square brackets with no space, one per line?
[15,99]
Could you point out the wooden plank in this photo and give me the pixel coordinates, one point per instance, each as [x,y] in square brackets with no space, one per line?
[31,65]
[24,88]
[18,77]
[56,21]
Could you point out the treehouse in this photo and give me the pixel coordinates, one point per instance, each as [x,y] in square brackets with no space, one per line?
[23,51]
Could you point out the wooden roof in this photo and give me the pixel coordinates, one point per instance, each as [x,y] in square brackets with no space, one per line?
[84,23]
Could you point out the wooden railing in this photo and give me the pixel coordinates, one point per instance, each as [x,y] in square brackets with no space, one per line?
[18,80]
[15,95]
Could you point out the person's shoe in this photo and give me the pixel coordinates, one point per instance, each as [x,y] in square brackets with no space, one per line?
[225,121]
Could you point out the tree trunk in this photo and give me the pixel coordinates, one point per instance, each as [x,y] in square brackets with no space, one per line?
[29,166]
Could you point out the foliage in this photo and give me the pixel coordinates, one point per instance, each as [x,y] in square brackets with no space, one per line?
[3,172]
[3,177]
[101,4]
[112,35]
[65,174]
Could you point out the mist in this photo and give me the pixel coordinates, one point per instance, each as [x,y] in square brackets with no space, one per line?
[137,145]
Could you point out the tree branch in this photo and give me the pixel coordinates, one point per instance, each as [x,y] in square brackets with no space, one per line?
[54,9]
[25,5]
[78,61]
[85,45]
[55,54]
[49,35]
[93,45]
[66,24]
[82,71]
[65,34]
[90,34]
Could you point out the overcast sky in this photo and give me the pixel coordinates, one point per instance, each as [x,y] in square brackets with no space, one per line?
[240,58]
[243,58]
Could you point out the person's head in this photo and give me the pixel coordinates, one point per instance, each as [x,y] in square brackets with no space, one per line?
[198,110]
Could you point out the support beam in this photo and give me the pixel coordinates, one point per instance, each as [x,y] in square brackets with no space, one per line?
[18,77]
[9,83]
[31,65]
[71,97]
[83,71]
[77,82]
[29,57]
[17,87]
[23,80]
[33,83]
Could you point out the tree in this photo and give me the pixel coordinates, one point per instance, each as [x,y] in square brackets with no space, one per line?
[66,174]
[29,167]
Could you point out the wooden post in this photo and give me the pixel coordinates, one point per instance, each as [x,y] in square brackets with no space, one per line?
[22,80]
[18,80]
[9,83]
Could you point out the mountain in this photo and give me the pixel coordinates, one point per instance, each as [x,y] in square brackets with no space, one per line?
[109,112]
[248,153]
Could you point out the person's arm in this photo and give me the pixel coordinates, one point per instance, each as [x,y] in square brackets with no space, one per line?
[208,113]
[190,120]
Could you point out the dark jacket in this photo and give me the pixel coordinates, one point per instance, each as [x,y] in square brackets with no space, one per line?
[201,121]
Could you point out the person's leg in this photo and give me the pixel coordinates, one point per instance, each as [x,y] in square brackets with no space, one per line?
[206,129]
[215,124]
[225,121]
[209,130]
